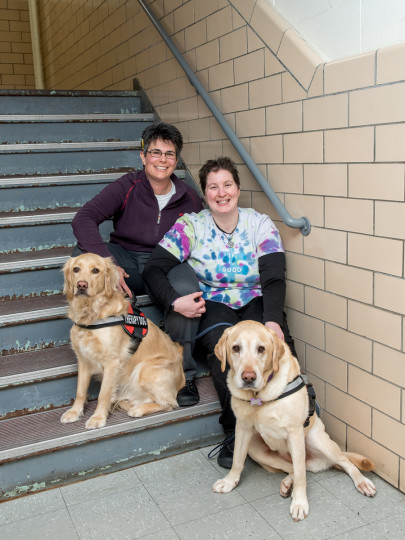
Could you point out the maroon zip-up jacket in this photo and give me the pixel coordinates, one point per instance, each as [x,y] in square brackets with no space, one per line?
[131,203]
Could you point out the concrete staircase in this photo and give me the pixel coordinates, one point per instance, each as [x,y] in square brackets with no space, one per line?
[57,150]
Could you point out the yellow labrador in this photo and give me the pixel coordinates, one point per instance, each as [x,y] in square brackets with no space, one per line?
[270,427]
[140,382]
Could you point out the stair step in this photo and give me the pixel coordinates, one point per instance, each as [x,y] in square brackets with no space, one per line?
[99,117]
[56,453]
[70,146]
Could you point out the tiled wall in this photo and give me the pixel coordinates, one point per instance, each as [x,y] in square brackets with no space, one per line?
[16,66]
[330,139]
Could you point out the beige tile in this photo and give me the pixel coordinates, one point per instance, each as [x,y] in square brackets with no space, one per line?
[377,181]
[285,118]
[348,409]
[389,142]
[263,205]
[390,219]
[238,21]
[221,76]
[316,87]
[391,64]
[303,147]
[248,182]
[210,150]
[199,130]
[300,350]
[245,199]
[235,98]
[380,254]
[326,244]
[386,461]
[335,428]
[254,42]
[250,123]
[322,179]
[269,24]
[309,206]
[195,35]
[265,91]
[306,328]
[171,5]
[389,433]
[349,145]
[294,297]
[271,64]
[307,270]
[183,16]
[356,350]
[389,293]
[403,406]
[292,90]
[203,9]
[378,393]
[375,324]
[326,112]
[191,153]
[291,237]
[270,146]
[298,57]
[378,105]
[249,67]
[233,44]
[219,23]
[245,7]
[326,306]
[229,150]
[326,367]
[207,55]
[178,89]
[285,178]
[349,214]
[348,281]
[389,364]
[350,73]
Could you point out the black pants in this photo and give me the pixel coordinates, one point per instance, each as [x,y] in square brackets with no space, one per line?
[216,313]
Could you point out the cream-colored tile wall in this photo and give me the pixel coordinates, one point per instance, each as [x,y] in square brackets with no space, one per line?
[16,64]
[329,139]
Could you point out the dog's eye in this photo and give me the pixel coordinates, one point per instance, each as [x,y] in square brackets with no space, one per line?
[260,349]
[76,269]
[95,271]
[236,348]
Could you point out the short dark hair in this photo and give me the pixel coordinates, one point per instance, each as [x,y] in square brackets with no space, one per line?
[215,165]
[166,132]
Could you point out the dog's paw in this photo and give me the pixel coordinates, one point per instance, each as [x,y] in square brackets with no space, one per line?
[299,510]
[95,422]
[286,486]
[70,416]
[224,485]
[366,487]
[137,411]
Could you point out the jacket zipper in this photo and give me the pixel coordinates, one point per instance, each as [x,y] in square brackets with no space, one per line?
[159,216]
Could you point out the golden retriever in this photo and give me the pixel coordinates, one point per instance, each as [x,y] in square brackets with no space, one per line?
[271,430]
[141,383]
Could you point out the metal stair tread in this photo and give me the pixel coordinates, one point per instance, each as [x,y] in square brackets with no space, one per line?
[98,117]
[29,366]
[51,215]
[41,432]
[69,146]
[33,259]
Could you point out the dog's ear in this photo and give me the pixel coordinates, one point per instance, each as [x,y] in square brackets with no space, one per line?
[278,352]
[111,277]
[68,288]
[220,349]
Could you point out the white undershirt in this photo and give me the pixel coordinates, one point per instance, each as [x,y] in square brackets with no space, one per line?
[164,199]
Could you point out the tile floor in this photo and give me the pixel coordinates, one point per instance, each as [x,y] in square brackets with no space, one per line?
[172,499]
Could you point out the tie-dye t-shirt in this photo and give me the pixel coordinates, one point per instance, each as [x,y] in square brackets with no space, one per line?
[226,265]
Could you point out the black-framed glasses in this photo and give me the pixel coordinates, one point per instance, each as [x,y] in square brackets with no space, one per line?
[156,154]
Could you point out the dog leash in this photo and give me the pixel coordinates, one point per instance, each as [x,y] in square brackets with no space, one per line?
[201,334]
[215,451]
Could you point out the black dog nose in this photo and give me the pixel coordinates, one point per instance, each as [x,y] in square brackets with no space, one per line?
[82,285]
[249,376]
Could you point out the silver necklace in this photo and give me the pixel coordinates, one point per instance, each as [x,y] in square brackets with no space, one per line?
[227,236]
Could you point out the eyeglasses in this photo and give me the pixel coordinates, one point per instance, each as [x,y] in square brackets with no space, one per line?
[156,154]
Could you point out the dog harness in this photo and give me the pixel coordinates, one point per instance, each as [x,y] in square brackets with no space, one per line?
[296,384]
[134,323]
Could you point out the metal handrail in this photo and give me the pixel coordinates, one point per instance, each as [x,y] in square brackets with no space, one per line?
[302,223]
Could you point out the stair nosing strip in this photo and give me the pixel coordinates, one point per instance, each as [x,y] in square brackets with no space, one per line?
[101,433]
[68,146]
[120,117]
[38,218]
[33,263]
[29,376]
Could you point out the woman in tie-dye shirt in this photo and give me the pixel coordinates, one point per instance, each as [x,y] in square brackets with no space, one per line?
[239,259]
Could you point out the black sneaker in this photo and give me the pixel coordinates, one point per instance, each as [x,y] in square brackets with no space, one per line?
[225,456]
[188,395]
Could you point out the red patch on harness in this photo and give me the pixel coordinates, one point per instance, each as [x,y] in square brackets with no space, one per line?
[135,324]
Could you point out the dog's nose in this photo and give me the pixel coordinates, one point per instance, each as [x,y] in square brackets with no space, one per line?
[82,285]
[249,376]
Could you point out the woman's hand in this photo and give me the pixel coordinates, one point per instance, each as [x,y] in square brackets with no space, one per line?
[276,328]
[191,305]
[123,287]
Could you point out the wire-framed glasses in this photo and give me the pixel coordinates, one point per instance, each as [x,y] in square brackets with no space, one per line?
[156,154]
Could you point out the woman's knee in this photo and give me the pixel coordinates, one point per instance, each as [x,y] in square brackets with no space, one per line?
[183,279]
